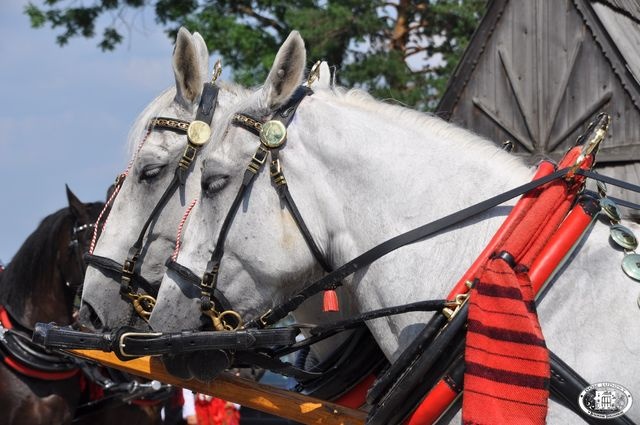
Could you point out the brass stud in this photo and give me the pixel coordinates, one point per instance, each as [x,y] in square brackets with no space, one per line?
[273,134]
[199,133]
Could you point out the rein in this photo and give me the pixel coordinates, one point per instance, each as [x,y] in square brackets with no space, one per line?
[198,133]
[227,323]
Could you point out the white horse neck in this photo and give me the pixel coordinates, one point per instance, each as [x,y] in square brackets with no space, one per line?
[381,170]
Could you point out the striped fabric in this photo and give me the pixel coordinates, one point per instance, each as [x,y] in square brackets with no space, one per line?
[507,362]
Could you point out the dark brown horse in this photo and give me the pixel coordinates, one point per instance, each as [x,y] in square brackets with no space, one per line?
[39,285]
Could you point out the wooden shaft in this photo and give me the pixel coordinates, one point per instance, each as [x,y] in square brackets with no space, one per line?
[286,404]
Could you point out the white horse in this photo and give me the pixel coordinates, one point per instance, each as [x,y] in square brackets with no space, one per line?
[362,171]
[151,169]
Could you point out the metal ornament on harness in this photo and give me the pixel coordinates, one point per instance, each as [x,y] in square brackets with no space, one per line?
[621,235]
[273,134]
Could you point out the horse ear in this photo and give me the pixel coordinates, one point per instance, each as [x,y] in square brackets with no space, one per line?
[189,66]
[286,73]
[75,205]
[324,77]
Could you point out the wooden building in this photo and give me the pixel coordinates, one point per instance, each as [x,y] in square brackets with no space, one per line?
[537,71]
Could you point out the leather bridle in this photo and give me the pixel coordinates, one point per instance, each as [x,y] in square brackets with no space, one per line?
[272,135]
[198,133]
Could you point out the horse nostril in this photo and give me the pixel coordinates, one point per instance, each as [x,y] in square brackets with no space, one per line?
[89,318]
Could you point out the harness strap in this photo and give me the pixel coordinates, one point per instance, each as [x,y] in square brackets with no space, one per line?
[204,116]
[32,360]
[334,278]
[114,270]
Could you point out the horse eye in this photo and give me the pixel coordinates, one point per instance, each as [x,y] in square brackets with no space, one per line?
[214,184]
[150,172]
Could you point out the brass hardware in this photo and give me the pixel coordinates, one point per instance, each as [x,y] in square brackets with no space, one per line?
[453,307]
[189,154]
[248,121]
[596,136]
[170,123]
[208,279]
[219,322]
[314,74]
[143,304]
[122,345]
[199,132]
[258,160]
[217,70]
[276,173]
[273,134]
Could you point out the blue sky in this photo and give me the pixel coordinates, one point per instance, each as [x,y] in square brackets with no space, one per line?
[65,113]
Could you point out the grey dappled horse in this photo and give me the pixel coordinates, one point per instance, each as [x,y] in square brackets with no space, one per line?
[362,171]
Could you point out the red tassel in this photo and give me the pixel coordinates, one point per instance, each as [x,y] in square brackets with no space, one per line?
[330,301]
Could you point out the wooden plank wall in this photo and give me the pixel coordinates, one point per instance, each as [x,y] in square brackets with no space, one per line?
[541,77]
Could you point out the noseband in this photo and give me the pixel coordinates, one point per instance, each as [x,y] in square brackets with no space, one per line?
[198,133]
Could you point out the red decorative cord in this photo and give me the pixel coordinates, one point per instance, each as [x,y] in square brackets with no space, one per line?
[174,256]
[109,202]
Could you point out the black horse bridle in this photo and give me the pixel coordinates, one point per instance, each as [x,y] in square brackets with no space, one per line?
[198,133]
[272,135]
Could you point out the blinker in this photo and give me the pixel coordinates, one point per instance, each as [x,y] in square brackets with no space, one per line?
[199,132]
[273,134]
[624,237]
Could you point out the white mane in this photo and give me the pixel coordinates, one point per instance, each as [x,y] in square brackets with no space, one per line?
[424,122]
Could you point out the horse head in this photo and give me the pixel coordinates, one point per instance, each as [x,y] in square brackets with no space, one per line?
[162,178]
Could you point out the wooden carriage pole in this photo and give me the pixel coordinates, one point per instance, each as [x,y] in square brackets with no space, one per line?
[286,404]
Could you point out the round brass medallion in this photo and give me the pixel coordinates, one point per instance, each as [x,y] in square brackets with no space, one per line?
[273,134]
[199,132]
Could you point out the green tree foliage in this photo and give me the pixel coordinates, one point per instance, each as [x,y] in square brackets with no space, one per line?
[396,49]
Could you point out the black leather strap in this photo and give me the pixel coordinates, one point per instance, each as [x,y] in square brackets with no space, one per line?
[127,343]
[334,278]
[113,269]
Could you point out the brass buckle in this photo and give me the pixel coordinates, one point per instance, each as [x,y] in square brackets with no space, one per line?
[188,156]
[128,266]
[256,161]
[208,280]
[122,345]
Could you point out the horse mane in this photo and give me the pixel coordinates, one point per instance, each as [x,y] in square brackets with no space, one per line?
[426,122]
[33,260]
